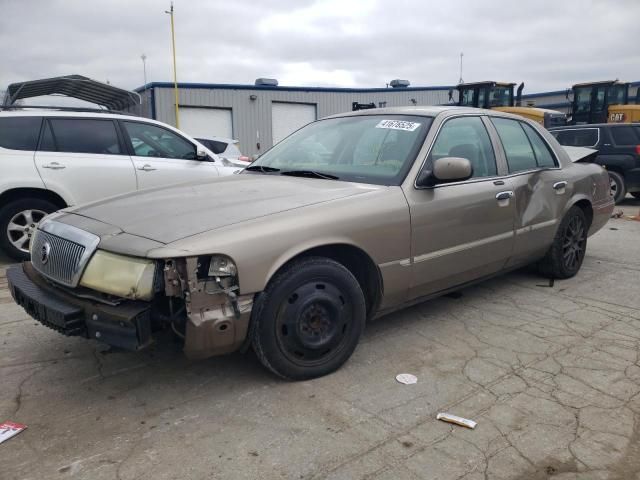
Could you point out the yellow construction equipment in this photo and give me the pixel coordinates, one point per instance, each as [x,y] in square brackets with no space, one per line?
[499,96]
[603,102]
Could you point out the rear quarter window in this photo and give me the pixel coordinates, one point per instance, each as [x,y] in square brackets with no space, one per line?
[625,135]
[19,133]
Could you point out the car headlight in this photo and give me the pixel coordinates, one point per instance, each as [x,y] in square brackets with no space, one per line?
[120,275]
[221,266]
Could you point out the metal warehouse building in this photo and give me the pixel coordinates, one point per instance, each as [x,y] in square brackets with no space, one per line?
[261,115]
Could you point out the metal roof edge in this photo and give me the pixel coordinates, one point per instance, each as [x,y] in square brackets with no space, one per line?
[227,86]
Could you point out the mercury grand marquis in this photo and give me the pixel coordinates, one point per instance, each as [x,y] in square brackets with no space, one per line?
[349,218]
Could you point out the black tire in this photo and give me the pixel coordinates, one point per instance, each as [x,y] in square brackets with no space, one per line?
[565,256]
[14,213]
[309,319]
[636,195]
[618,188]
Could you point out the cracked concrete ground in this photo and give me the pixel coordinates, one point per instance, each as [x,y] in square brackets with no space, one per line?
[551,375]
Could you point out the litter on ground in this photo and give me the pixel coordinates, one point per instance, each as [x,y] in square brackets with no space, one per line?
[463,422]
[10,429]
[407,378]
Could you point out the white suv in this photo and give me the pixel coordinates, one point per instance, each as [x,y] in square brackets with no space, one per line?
[54,159]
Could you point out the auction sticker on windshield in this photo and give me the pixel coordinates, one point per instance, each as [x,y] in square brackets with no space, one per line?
[398,125]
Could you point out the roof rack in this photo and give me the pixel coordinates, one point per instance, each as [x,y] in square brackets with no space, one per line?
[75,86]
[63,109]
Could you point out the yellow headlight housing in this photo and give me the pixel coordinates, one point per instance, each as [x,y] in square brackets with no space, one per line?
[119,275]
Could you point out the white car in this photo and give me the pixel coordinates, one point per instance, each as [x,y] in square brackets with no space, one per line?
[227,148]
[52,159]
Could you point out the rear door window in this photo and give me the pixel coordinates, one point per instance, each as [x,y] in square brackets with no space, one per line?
[81,135]
[583,137]
[19,133]
[517,147]
[625,136]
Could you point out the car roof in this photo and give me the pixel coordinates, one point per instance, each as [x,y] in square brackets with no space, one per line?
[428,111]
[68,113]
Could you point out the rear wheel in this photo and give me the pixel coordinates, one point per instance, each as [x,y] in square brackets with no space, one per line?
[309,319]
[618,189]
[565,256]
[18,221]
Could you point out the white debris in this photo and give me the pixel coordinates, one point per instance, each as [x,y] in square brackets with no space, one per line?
[10,429]
[407,378]
[464,422]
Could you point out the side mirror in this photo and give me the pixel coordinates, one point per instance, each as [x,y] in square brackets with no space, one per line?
[201,155]
[447,169]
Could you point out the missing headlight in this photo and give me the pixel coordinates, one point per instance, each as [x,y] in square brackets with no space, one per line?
[216,266]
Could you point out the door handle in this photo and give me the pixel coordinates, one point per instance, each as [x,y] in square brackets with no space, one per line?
[504,195]
[560,185]
[146,168]
[54,166]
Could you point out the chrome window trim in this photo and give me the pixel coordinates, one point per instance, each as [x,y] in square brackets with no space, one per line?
[76,235]
[573,130]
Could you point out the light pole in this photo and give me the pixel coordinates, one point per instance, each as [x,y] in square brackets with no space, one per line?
[461,55]
[144,67]
[175,75]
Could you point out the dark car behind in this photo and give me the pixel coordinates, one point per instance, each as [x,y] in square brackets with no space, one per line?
[618,148]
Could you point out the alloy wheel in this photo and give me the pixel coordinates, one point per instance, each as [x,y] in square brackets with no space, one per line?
[574,242]
[22,226]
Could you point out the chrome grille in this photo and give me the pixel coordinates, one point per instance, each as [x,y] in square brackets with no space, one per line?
[60,252]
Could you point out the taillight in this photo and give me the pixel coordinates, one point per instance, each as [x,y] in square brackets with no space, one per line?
[638,150]
[244,158]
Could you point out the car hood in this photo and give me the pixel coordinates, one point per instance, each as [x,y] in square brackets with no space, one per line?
[580,154]
[172,213]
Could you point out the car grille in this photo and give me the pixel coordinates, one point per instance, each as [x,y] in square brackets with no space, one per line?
[60,251]
[62,260]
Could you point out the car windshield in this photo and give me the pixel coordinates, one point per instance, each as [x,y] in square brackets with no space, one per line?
[377,149]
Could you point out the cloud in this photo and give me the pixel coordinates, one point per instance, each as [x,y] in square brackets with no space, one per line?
[547,44]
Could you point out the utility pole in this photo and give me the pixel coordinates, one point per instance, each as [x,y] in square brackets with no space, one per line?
[175,75]
[461,55]
[144,67]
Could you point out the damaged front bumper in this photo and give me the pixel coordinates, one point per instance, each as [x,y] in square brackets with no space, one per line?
[213,324]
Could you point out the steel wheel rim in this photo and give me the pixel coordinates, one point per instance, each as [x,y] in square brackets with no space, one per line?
[313,323]
[573,243]
[22,226]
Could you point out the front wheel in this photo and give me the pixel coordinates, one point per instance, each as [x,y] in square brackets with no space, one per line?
[309,319]
[565,256]
[18,221]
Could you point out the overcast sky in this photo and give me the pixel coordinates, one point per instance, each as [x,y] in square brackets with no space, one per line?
[548,44]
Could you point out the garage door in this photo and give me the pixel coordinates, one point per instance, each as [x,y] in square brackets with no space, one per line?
[206,122]
[288,117]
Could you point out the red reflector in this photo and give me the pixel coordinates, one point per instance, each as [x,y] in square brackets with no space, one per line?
[638,149]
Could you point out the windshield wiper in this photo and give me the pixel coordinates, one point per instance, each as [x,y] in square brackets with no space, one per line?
[309,174]
[261,168]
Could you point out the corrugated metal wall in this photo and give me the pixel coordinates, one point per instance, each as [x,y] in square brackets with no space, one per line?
[252,118]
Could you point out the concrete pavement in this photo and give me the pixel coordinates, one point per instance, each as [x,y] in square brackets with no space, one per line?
[551,375]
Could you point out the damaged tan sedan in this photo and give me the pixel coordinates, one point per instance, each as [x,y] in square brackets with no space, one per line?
[347,219]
